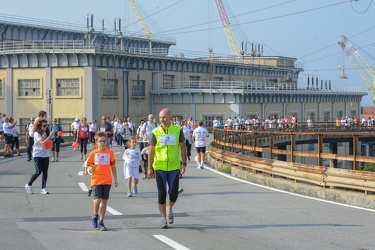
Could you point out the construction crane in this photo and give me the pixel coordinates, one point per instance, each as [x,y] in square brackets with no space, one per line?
[361,65]
[141,20]
[232,40]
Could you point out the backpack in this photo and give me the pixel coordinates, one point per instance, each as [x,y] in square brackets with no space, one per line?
[83,134]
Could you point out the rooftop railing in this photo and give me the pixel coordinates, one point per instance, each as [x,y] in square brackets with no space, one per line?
[65,46]
[249,87]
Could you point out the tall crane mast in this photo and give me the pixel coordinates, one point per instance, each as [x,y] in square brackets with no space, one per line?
[232,40]
[361,65]
[141,20]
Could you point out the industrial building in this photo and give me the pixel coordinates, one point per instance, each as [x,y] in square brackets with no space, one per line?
[72,72]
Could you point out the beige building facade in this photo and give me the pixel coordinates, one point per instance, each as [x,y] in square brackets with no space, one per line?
[99,74]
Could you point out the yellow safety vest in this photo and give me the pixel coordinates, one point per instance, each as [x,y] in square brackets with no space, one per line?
[167,157]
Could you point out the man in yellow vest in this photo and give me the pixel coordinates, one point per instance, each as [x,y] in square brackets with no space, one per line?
[167,160]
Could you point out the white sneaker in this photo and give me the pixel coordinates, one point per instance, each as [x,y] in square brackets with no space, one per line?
[199,167]
[164,223]
[53,159]
[43,191]
[29,189]
[170,217]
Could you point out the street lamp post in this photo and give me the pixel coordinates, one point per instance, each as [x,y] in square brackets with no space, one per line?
[49,105]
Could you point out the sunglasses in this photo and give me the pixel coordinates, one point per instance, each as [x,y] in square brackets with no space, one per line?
[44,126]
[101,141]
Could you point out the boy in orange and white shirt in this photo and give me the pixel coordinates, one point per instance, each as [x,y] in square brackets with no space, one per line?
[101,163]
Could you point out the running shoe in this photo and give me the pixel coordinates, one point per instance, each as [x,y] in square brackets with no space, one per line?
[101,226]
[164,223]
[199,167]
[135,189]
[43,191]
[180,190]
[29,189]
[129,194]
[94,222]
[170,216]
[53,160]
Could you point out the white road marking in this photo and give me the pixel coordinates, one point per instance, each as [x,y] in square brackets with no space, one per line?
[83,186]
[170,242]
[286,192]
[112,211]
[109,209]
[80,173]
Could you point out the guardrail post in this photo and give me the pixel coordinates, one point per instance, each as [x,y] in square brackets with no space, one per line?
[333,150]
[255,153]
[320,149]
[271,145]
[243,141]
[355,151]
[292,146]
[233,141]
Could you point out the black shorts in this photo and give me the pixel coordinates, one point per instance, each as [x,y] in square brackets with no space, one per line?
[1,132]
[201,149]
[8,139]
[101,191]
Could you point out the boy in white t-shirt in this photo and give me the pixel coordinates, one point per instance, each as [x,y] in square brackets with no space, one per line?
[199,135]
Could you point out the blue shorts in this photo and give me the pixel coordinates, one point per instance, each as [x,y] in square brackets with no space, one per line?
[162,179]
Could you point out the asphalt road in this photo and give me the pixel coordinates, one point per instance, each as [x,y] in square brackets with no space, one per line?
[215,211]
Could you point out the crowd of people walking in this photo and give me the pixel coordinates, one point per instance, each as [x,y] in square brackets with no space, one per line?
[158,149]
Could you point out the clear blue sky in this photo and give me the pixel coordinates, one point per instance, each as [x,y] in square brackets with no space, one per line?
[304,29]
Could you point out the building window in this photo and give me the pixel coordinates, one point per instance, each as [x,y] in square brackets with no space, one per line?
[311,115]
[22,125]
[67,87]
[340,114]
[218,82]
[168,81]
[138,88]
[29,87]
[208,120]
[311,147]
[326,116]
[194,81]
[65,123]
[110,87]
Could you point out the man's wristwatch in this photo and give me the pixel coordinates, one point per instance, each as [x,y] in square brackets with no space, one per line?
[184,163]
